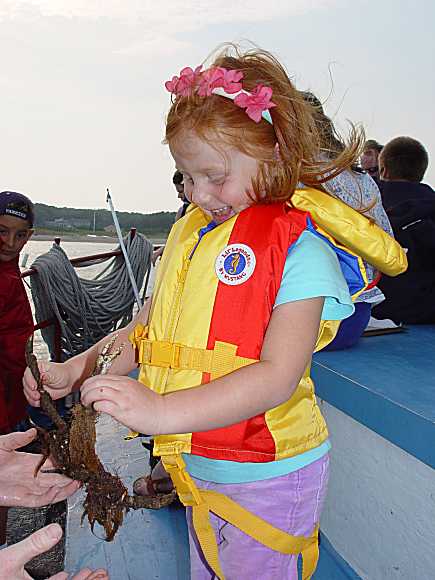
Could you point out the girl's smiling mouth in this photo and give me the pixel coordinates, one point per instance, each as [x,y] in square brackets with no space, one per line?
[221,214]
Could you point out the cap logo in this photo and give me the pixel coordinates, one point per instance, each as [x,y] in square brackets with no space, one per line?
[17,205]
[15,212]
[235,264]
[17,209]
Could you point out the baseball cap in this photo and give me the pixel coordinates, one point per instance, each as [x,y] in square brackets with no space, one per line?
[17,205]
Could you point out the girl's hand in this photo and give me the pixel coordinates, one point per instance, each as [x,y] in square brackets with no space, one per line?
[55,377]
[126,400]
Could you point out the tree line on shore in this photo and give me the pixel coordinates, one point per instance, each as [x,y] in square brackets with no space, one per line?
[66,219]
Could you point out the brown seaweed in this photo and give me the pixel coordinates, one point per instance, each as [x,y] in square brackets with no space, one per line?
[71,446]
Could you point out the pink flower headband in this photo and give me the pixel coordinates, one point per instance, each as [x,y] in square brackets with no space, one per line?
[226,83]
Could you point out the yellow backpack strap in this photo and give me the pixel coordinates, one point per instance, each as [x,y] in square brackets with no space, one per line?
[203,502]
[353,230]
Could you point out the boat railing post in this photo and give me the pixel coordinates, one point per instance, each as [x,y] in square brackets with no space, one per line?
[132,233]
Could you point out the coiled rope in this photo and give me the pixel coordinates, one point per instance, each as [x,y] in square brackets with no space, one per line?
[86,310]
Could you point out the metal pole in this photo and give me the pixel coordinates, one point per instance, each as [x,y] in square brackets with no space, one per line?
[124,251]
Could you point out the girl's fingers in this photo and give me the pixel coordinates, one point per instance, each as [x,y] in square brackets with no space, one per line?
[98,391]
[112,380]
[100,395]
[32,395]
[106,407]
[29,382]
[94,394]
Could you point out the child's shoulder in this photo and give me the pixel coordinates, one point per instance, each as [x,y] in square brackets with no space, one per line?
[311,248]
[10,279]
[312,268]
[10,270]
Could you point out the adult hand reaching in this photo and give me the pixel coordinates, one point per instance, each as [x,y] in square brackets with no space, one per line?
[14,558]
[18,485]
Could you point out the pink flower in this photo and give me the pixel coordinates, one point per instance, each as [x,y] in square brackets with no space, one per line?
[231,81]
[171,85]
[225,82]
[210,79]
[255,103]
[185,84]
[219,77]
[188,79]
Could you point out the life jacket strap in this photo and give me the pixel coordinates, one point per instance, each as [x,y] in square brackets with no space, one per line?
[219,361]
[203,502]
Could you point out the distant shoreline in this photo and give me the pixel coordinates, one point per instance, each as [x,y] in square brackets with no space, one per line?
[84,238]
[74,238]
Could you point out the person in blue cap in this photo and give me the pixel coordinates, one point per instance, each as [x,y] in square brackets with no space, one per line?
[16,321]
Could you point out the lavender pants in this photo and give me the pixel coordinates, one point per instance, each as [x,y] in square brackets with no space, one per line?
[291,502]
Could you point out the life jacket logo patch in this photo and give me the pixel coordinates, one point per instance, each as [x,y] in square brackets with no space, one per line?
[235,264]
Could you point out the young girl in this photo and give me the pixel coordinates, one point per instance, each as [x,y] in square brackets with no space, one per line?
[225,345]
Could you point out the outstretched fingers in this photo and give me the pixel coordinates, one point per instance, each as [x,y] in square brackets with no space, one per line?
[13,441]
[56,494]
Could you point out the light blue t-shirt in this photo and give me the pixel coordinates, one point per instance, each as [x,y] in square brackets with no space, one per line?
[311,270]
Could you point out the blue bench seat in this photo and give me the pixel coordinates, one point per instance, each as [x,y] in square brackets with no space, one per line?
[386,383]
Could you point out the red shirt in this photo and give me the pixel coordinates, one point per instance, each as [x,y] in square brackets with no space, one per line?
[16,325]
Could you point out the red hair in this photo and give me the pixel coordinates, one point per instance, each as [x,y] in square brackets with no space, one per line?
[220,123]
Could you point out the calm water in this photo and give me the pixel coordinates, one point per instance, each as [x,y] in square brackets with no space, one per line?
[73,250]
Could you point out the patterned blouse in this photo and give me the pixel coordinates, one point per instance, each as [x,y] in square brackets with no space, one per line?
[359,190]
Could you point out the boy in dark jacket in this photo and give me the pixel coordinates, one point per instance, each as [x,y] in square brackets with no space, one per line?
[410,206]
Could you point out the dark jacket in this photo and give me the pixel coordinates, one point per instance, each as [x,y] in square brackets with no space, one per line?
[16,325]
[394,193]
[410,297]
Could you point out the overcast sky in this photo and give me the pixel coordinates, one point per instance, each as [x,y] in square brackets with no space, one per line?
[82,101]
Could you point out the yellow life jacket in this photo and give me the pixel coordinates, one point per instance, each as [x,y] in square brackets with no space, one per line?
[211,306]
[352,229]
